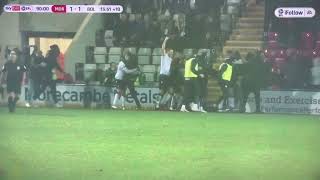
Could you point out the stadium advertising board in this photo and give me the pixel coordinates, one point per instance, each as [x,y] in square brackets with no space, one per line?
[76,95]
[300,102]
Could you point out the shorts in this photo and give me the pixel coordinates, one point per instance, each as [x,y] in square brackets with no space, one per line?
[164,82]
[121,85]
[14,87]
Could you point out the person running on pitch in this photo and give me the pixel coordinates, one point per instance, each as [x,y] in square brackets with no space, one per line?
[13,70]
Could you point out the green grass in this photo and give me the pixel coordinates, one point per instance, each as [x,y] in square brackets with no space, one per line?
[66,144]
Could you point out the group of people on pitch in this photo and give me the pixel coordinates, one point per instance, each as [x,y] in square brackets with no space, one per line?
[183,82]
[40,72]
[171,80]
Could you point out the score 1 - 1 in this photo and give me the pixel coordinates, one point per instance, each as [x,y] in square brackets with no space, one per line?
[74,9]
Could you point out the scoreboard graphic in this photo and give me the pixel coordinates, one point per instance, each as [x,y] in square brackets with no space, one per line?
[62,9]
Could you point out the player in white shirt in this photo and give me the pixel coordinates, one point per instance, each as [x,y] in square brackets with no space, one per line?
[164,78]
[122,70]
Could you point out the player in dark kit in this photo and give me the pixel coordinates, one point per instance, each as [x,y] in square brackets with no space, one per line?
[13,71]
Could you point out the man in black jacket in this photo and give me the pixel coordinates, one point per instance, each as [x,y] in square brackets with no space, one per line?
[255,78]
[130,78]
[35,71]
[51,65]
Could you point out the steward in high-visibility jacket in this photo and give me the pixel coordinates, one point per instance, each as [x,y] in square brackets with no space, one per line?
[226,71]
[191,84]
[225,74]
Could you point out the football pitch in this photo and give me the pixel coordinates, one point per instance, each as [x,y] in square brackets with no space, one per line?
[79,144]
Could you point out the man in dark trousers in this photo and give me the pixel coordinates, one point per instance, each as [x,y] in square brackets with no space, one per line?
[193,71]
[35,75]
[255,77]
[50,66]
[205,68]
[130,78]
[225,80]
[127,65]
[13,70]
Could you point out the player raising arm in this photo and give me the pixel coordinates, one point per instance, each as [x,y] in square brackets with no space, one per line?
[164,78]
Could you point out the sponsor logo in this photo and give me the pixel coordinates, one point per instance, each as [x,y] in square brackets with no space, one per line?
[97,95]
[25,8]
[15,8]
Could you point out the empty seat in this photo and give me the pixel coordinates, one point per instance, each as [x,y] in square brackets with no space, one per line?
[100,50]
[150,77]
[142,60]
[114,55]
[144,56]
[100,54]
[144,52]
[132,50]
[149,68]
[100,58]
[156,60]
[115,50]
[156,56]
[90,67]
[157,52]
[89,70]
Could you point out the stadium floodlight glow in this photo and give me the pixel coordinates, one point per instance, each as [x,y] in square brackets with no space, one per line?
[295,12]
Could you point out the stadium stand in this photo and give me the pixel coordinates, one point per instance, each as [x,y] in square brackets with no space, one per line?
[89,71]
[114,54]
[100,54]
[144,56]
[156,56]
